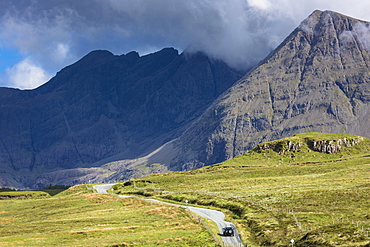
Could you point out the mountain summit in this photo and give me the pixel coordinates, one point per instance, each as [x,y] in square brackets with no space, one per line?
[103,108]
[316,80]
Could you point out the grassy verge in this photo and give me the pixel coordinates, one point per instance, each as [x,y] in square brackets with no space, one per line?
[79,217]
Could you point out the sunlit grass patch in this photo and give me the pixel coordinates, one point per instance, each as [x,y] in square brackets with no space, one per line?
[23,195]
[77,217]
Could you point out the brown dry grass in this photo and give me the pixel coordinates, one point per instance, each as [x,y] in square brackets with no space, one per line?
[164,211]
[4,221]
[108,229]
[101,198]
[133,202]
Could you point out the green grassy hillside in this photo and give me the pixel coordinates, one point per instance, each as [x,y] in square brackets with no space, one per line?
[79,217]
[6,195]
[313,188]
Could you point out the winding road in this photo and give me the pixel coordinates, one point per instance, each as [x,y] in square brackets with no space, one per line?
[214,215]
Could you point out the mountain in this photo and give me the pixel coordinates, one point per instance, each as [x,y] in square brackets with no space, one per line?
[108,118]
[316,80]
[103,108]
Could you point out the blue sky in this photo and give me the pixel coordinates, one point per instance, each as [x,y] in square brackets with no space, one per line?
[8,57]
[40,37]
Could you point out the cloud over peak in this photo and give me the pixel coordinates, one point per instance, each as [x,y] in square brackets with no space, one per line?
[27,75]
[55,33]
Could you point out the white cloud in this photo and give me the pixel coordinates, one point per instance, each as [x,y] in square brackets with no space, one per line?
[61,52]
[260,4]
[359,35]
[26,75]
[43,36]
[363,33]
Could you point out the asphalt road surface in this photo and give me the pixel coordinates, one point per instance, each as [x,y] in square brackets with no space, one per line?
[214,215]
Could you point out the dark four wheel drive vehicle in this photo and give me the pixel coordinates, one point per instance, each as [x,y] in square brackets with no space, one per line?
[228,231]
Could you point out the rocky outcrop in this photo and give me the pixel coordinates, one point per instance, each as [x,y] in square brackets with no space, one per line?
[333,146]
[328,146]
[280,147]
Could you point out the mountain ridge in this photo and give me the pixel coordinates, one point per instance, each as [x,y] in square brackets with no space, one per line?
[102,106]
[299,87]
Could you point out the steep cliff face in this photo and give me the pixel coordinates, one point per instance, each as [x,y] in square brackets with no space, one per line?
[103,108]
[316,80]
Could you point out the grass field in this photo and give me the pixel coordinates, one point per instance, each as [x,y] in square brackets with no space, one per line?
[281,191]
[79,217]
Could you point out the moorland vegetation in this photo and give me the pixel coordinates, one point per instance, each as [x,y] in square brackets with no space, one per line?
[313,188]
[80,217]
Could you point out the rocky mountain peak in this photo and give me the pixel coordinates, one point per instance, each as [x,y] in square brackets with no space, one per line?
[318,79]
[97,55]
[103,108]
[320,24]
